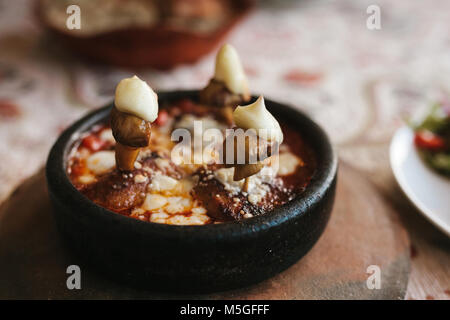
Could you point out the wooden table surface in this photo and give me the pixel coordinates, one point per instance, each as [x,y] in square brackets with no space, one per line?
[359,84]
[363,231]
[429,251]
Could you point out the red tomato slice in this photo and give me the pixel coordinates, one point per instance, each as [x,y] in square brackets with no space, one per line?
[428,140]
[163,116]
[93,143]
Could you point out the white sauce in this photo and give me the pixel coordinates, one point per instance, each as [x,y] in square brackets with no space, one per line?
[229,70]
[256,116]
[135,97]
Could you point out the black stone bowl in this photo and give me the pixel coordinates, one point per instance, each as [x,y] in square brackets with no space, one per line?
[193,258]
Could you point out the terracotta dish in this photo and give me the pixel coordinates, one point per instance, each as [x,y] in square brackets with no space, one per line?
[217,254]
[155,39]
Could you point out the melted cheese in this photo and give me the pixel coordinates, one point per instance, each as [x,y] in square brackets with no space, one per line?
[87,179]
[139,178]
[258,183]
[198,211]
[158,217]
[288,163]
[107,135]
[101,162]
[162,182]
[154,201]
[178,205]
[169,199]
[187,220]
[225,177]
[162,164]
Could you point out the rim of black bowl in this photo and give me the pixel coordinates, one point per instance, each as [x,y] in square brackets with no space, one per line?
[60,184]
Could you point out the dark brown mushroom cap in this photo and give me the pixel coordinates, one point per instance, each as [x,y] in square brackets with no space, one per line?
[130,130]
[217,94]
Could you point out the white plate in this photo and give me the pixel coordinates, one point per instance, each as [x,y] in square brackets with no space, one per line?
[427,190]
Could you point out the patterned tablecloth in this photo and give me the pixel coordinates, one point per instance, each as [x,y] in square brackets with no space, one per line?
[319,56]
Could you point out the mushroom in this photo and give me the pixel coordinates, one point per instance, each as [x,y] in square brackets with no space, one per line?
[229,87]
[259,138]
[135,108]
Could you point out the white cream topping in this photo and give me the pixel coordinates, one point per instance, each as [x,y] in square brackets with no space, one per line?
[229,70]
[135,97]
[256,116]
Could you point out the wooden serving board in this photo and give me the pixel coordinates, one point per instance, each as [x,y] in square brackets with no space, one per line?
[363,230]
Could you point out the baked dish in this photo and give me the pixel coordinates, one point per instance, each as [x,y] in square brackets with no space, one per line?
[192,191]
[171,164]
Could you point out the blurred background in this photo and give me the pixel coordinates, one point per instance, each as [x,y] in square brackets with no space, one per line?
[320,56]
